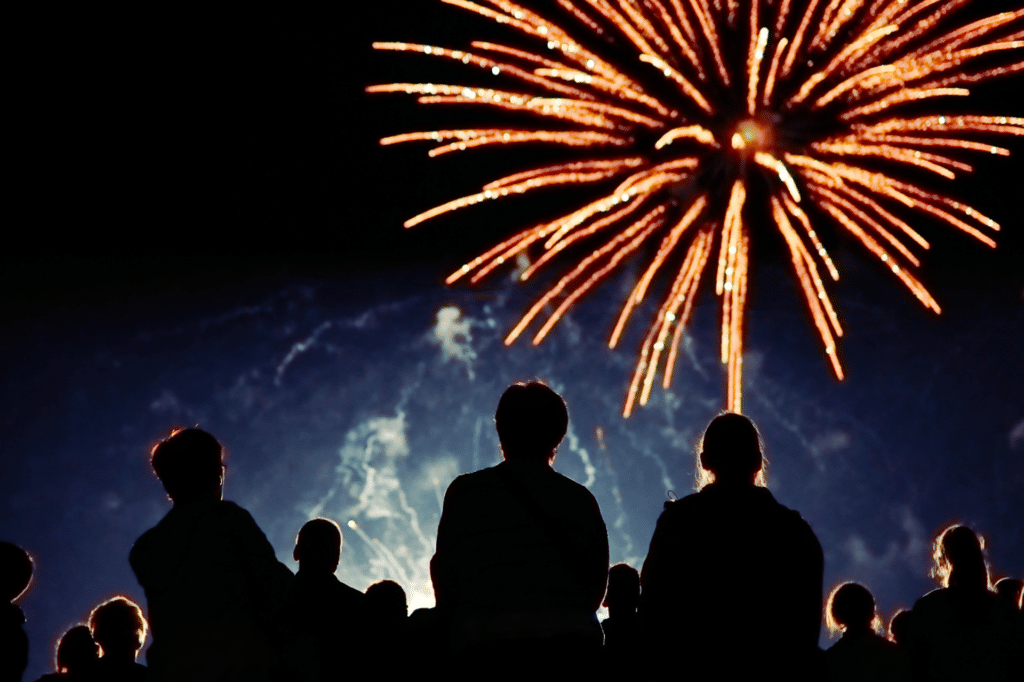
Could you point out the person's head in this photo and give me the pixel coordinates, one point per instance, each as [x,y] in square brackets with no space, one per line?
[531,420]
[960,559]
[76,650]
[386,601]
[15,571]
[851,608]
[730,452]
[189,464]
[1010,590]
[899,626]
[119,627]
[623,588]
[318,546]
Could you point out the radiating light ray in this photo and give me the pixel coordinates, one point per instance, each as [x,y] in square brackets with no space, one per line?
[496,68]
[700,249]
[607,86]
[468,139]
[754,69]
[694,132]
[838,60]
[678,39]
[771,163]
[852,82]
[814,291]
[930,162]
[821,132]
[578,235]
[855,196]
[707,27]
[864,219]
[643,226]
[616,165]
[769,82]
[797,42]
[667,247]
[687,87]
[805,222]
[681,294]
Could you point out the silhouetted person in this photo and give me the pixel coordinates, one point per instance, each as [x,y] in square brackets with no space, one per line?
[861,655]
[962,631]
[899,628]
[522,551]
[1010,589]
[324,614]
[118,626]
[77,654]
[621,627]
[387,628]
[15,575]
[213,585]
[732,533]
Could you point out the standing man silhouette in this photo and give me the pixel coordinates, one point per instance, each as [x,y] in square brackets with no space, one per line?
[213,585]
[522,551]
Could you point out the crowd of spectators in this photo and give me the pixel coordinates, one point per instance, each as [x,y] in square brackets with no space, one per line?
[731,587]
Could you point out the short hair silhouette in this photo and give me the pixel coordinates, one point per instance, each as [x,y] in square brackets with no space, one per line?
[960,559]
[318,545]
[118,626]
[1010,590]
[386,600]
[531,420]
[623,587]
[15,571]
[851,608]
[731,451]
[899,626]
[76,651]
[188,463]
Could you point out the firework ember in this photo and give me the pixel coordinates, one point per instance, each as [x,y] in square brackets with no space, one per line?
[823,105]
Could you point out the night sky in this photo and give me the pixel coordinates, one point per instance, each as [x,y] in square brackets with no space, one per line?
[205,230]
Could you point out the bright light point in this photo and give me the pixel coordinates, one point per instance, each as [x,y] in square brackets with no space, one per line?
[496,70]
[749,134]
[352,524]
[728,286]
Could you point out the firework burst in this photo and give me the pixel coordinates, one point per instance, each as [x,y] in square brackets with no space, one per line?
[818,111]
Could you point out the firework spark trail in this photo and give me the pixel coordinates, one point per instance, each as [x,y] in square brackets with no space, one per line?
[712,101]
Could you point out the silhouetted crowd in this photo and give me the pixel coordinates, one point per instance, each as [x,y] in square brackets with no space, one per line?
[731,587]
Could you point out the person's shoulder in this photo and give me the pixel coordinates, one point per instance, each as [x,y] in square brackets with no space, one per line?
[936,599]
[474,479]
[231,516]
[570,484]
[349,594]
[682,506]
[147,542]
[228,509]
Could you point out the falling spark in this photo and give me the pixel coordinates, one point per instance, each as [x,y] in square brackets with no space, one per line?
[721,98]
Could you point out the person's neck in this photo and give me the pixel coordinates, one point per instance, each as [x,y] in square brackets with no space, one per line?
[120,657]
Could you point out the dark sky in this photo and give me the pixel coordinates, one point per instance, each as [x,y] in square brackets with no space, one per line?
[167,160]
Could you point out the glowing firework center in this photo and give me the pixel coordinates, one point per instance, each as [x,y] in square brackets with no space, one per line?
[847,70]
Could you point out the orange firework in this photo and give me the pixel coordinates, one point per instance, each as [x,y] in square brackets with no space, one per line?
[818,105]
